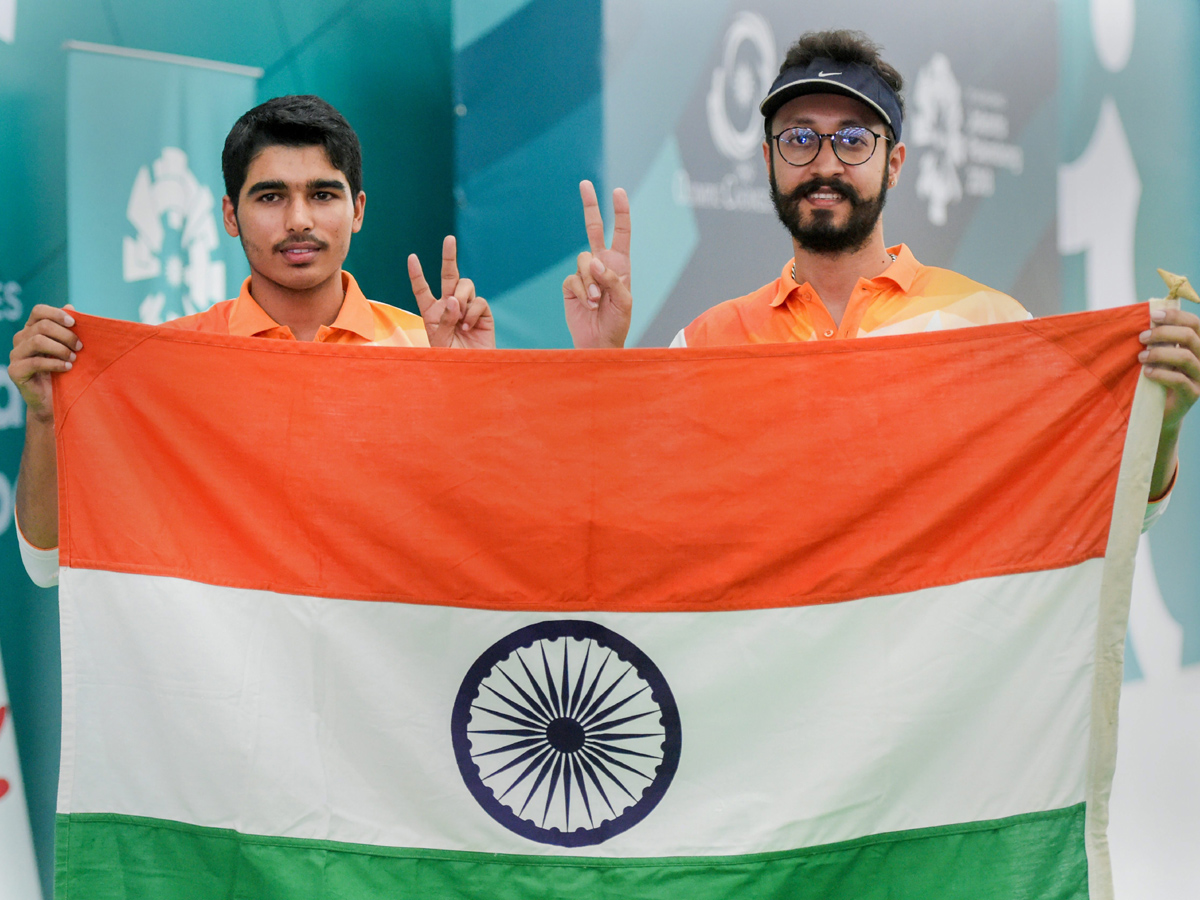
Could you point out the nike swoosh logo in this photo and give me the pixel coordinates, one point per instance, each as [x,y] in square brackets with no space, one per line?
[827,74]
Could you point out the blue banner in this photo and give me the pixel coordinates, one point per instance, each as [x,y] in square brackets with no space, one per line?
[144,186]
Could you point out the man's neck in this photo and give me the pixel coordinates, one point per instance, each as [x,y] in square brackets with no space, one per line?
[304,311]
[834,275]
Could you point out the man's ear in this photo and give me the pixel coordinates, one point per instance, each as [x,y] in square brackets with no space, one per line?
[360,207]
[229,216]
[896,162]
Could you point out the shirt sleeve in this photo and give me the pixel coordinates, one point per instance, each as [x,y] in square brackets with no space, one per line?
[1155,508]
[40,565]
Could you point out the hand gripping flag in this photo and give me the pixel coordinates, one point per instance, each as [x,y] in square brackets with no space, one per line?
[839,620]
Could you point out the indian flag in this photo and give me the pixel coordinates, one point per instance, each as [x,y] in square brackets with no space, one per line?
[837,620]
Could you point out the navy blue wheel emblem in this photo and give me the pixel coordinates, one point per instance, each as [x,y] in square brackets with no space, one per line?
[566,733]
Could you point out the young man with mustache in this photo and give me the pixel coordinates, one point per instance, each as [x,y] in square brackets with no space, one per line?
[833,121]
[293,177]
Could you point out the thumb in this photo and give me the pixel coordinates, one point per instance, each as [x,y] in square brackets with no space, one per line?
[612,285]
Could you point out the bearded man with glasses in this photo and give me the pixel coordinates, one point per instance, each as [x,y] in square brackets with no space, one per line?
[833,126]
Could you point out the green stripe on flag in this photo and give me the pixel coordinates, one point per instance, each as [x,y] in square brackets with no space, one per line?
[106,857]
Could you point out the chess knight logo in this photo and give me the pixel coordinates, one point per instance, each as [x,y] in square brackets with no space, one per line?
[173,193]
[937,123]
[963,132]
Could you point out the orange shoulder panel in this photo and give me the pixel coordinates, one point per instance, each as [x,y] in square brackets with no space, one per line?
[214,320]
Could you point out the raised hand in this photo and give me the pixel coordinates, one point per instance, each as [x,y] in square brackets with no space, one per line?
[457,318]
[44,346]
[596,299]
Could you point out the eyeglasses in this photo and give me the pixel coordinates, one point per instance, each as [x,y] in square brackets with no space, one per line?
[853,146]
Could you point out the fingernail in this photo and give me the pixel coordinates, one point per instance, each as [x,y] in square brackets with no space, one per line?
[1158,315]
[465,327]
[72,357]
[70,321]
[597,266]
[1143,356]
[1144,337]
[68,365]
[593,292]
[79,345]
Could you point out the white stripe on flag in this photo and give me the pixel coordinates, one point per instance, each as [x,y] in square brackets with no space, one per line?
[330,719]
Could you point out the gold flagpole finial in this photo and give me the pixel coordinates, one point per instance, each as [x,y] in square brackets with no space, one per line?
[1178,286]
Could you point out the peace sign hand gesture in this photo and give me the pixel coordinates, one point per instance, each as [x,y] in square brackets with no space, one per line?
[596,299]
[458,318]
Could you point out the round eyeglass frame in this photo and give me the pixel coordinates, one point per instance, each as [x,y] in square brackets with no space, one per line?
[778,139]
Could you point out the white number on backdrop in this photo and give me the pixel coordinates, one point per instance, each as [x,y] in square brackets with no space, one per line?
[8,21]
[1098,197]
[1154,799]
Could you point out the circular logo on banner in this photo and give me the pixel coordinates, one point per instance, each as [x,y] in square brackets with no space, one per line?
[566,733]
[181,252]
[744,77]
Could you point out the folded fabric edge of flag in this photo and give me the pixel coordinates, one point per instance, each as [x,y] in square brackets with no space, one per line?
[1133,487]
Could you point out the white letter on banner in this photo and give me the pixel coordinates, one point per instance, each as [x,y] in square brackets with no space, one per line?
[10,302]
[12,410]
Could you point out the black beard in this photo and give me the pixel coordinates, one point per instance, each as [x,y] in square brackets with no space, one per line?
[820,235]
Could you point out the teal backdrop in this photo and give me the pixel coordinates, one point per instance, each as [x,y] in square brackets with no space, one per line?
[144,184]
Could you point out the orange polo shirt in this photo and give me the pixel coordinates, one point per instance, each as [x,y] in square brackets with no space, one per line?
[359,321]
[906,298]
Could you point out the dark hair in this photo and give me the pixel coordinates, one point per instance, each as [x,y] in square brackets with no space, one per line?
[841,46]
[301,120]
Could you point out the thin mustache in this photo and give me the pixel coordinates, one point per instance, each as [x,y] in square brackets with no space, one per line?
[290,242]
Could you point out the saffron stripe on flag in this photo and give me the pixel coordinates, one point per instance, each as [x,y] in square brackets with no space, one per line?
[592,480]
